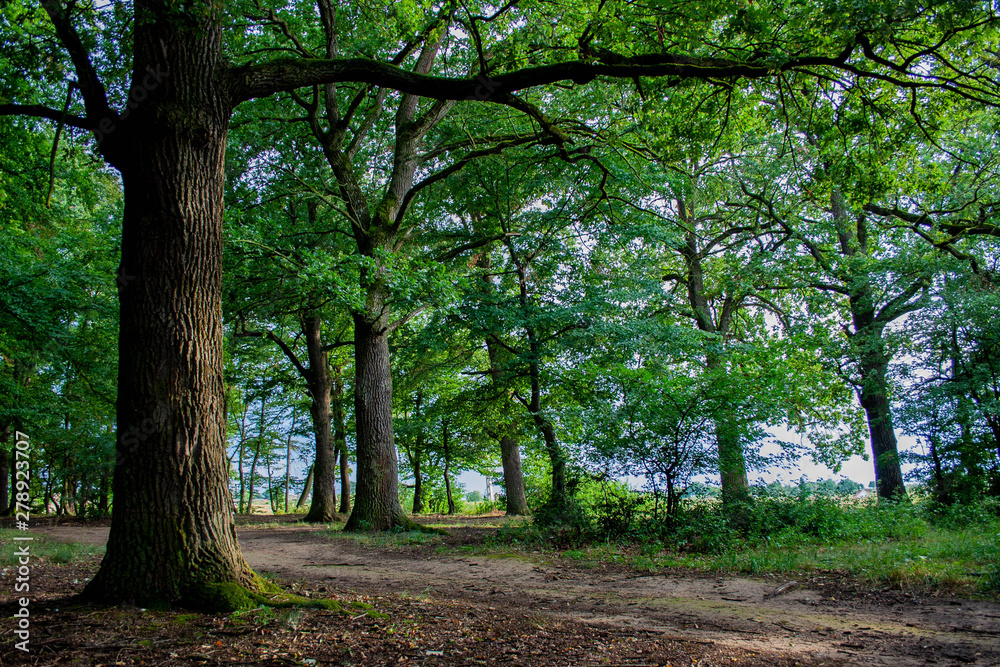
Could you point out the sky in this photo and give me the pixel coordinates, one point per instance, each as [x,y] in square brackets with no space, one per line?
[856,469]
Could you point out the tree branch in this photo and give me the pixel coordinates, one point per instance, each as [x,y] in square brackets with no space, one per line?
[40,111]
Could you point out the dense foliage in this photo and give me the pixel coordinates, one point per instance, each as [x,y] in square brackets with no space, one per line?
[760,216]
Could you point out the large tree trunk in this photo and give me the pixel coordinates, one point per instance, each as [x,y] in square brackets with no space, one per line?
[172,529]
[324,495]
[513,478]
[376,501]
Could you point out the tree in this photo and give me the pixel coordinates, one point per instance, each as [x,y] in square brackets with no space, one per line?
[172,532]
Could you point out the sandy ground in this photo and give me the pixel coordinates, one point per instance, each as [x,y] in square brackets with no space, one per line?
[813,622]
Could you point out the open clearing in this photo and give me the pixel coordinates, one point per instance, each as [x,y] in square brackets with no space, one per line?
[445,606]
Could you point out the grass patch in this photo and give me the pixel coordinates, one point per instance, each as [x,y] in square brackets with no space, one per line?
[45,549]
[913,547]
[388,539]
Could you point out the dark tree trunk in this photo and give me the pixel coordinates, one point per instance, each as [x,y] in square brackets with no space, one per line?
[376,501]
[513,478]
[447,467]
[418,478]
[873,394]
[416,456]
[732,462]
[253,471]
[306,490]
[324,495]
[288,463]
[510,451]
[871,354]
[104,498]
[556,456]
[172,529]
[340,437]
[345,481]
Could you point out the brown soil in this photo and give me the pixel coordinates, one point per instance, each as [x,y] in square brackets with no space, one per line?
[446,608]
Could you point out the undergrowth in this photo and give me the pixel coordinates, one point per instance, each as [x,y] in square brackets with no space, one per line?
[911,545]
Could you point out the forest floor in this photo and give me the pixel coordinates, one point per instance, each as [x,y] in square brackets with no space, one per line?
[444,600]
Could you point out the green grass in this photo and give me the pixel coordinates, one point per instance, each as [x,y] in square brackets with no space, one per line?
[43,548]
[905,546]
[387,539]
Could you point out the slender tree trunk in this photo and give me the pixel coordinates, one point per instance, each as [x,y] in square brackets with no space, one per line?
[47,494]
[510,451]
[345,481]
[732,462]
[288,462]
[253,477]
[324,495]
[240,505]
[418,478]
[873,395]
[104,499]
[272,497]
[340,436]
[376,502]
[447,467]
[306,490]
[556,456]
[416,457]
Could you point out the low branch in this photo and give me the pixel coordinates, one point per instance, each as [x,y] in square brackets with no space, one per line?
[40,111]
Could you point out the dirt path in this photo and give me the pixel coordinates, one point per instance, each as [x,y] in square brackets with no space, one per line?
[800,622]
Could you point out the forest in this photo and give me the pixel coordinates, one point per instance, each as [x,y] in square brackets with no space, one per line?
[274,277]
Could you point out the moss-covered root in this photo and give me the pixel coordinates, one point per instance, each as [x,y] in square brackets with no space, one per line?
[222,598]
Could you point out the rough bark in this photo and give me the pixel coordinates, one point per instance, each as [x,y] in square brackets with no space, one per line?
[320,382]
[172,530]
[513,478]
[376,501]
